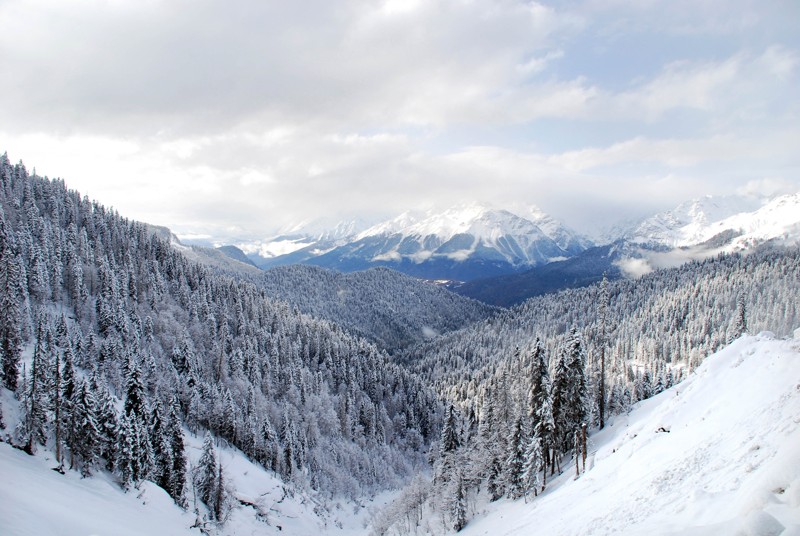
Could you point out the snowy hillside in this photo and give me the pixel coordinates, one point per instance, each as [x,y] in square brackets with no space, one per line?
[34,500]
[717,454]
[386,307]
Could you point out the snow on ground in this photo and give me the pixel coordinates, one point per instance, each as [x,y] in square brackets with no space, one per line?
[35,500]
[718,454]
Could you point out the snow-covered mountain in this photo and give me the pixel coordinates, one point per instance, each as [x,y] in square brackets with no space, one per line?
[730,222]
[302,241]
[463,242]
[471,230]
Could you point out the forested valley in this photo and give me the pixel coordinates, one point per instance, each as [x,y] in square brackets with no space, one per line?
[115,346]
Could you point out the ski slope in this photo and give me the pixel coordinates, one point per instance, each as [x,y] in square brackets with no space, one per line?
[718,454]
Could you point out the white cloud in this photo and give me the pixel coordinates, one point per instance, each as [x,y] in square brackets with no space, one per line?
[234,119]
[768,187]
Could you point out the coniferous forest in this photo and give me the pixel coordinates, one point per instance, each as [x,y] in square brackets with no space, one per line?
[116,346]
[114,343]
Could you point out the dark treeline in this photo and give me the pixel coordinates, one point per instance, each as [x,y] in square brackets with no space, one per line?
[389,308]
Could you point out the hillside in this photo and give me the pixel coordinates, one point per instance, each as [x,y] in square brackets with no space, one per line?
[717,454]
[114,342]
[390,309]
[35,500]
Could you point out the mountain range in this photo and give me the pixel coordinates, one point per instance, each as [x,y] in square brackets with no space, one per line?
[464,242]
[503,258]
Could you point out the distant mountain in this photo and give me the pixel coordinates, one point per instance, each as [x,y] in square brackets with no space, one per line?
[300,242]
[462,243]
[579,271]
[389,308]
[743,220]
[697,229]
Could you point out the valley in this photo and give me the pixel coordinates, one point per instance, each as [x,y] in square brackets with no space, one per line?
[193,390]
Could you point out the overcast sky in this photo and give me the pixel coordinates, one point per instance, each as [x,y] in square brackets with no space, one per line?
[231,119]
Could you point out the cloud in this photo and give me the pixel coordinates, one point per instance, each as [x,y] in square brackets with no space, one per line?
[634,268]
[768,187]
[230,120]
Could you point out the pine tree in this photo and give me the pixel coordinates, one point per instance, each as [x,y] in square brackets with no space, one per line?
[534,464]
[206,474]
[459,504]
[515,461]
[134,391]
[86,435]
[178,470]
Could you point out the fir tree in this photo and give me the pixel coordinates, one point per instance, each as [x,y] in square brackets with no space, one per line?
[515,461]
[602,314]
[162,448]
[449,442]
[539,381]
[534,464]
[569,391]
[134,391]
[126,452]
[86,435]
[494,484]
[10,314]
[107,422]
[33,427]
[740,327]
[546,433]
[178,470]
[459,503]
[206,474]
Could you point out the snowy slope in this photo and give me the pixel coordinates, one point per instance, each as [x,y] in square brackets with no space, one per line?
[34,500]
[718,454]
[746,220]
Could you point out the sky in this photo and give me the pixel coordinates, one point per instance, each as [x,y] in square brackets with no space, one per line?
[231,120]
